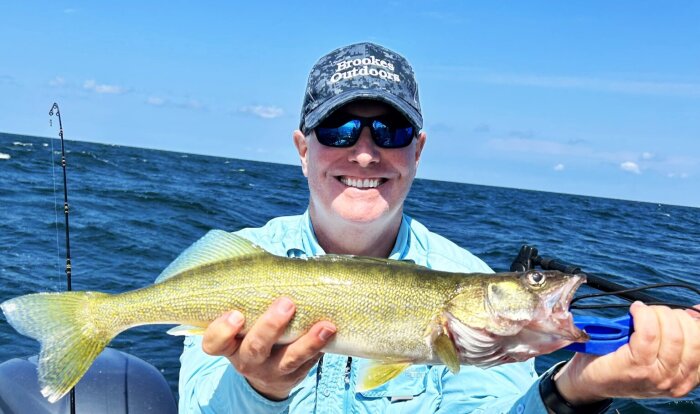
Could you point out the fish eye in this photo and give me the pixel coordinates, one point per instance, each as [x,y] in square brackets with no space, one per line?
[536,279]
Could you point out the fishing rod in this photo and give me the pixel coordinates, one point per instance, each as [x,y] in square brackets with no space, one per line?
[528,258]
[55,110]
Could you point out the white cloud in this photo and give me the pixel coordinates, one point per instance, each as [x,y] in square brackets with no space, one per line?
[559,167]
[175,103]
[577,151]
[638,87]
[630,167]
[189,104]
[155,101]
[91,85]
[542,147]
[267,112]
[57,81]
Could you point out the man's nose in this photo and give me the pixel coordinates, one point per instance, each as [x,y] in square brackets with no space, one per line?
[365,151]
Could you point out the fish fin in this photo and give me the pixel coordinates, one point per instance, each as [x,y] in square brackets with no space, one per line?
[477,347]
[377,373]
[215,246]
[446,351]
[186,330]
[69,340]
[363,259]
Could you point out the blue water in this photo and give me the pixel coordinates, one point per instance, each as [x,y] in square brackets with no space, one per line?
[133,210]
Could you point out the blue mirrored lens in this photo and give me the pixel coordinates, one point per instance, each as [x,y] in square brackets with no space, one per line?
[345,135]
[386,137]
[403,137]
[348,132]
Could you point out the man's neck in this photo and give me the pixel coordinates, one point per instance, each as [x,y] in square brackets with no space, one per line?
[360,239]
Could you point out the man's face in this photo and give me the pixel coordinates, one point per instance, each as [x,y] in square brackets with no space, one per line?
[363,183]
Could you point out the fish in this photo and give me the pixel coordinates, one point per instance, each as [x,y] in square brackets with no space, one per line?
[395,313]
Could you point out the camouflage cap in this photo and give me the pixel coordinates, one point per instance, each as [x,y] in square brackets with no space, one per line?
[360,71]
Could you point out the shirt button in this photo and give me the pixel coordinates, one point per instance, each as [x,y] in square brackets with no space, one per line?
[520,409]
[326,392]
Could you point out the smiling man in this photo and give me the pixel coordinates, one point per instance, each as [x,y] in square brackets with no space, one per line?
[357,184]
[360,141]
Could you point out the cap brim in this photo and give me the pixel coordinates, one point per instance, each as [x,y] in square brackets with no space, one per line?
[314,117]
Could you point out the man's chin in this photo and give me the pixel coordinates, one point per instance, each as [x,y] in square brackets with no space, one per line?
[363,215]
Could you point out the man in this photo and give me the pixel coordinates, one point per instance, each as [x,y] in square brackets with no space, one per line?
[360,142]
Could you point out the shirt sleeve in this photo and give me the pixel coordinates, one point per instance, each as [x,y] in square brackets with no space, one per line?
[211,385]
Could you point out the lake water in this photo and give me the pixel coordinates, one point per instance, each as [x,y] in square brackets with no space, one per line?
[133,210]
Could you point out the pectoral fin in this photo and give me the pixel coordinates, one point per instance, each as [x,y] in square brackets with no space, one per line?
[186,330]
[446,351]
[377,373]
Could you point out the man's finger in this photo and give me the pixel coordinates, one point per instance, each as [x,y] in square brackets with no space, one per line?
[644,342]
[257,344]
[220,336]
[691,351]
[672,339]
[305,348]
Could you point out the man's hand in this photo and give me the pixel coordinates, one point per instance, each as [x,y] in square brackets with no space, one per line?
[662,359]
[272,371]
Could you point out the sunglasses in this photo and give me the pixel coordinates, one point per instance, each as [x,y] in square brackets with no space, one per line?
[342,130]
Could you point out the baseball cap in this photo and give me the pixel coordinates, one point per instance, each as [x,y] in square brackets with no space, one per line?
[360,71]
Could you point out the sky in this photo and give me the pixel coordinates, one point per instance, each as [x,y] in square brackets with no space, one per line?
[599,98]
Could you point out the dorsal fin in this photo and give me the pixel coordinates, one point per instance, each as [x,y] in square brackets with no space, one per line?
[365,259]
[215,246]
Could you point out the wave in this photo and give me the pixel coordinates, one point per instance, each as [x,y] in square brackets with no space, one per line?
[4,156]
[22,144]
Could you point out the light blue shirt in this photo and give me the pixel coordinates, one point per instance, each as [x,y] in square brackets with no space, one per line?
[212,385]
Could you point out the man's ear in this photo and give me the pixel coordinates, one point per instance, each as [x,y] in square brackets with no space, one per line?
[302,149]
[420,142]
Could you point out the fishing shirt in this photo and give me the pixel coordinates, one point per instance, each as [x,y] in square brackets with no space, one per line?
[210,384]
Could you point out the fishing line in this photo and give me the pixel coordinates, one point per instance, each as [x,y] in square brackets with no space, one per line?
[528,258]
[639,288]
[636,289]
[626,305]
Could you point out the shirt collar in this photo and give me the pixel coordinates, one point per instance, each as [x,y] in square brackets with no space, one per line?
[309,243]
[402,245]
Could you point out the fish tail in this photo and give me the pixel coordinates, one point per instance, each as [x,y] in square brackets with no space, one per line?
[65,327]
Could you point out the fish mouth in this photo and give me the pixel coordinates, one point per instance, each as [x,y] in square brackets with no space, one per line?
[360,182]
[558,320]
[568,291]
[561,314]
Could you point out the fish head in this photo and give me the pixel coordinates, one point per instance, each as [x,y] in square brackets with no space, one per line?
[519,316]
[537,300]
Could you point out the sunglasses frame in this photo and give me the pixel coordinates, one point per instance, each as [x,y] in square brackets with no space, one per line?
[367,122]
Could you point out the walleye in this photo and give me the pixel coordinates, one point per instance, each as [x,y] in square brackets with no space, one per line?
[395,313]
